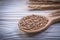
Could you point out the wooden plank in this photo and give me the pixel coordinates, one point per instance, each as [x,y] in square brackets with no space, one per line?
[12,11]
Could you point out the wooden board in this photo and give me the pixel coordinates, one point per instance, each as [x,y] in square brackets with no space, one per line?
[11,11]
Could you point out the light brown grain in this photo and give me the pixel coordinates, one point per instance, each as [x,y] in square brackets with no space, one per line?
[32,22]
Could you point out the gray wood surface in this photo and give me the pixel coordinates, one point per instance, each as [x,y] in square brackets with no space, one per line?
[11,11]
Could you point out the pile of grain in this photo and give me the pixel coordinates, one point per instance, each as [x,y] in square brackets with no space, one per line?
[32,22]
[57,13]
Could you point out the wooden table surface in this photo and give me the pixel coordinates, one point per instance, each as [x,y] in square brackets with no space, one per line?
[11,11]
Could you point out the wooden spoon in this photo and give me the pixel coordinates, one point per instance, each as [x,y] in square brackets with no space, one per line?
[52,18]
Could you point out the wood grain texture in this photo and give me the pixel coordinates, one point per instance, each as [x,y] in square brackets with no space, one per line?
[11,11]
